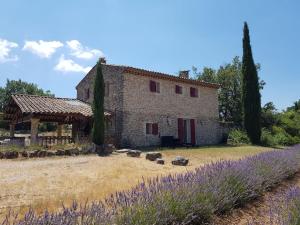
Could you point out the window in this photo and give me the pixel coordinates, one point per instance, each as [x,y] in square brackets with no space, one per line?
[87,94]
[194,92]
[106,89]
[152,128]
[148,128]
[154,86]
[178,89]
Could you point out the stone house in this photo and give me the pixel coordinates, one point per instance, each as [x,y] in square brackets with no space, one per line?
[147,105]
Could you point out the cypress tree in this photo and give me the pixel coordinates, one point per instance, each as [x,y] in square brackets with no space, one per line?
[98,108]
[250,92]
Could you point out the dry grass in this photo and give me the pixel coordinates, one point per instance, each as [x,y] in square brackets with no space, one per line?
[46,183]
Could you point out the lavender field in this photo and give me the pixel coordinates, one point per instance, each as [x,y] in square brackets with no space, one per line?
[189,198]
[284,209]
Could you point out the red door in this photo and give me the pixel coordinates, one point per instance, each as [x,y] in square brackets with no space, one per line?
[193,132]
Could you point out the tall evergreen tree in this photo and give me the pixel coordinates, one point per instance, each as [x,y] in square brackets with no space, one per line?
[98,108]
[250,92]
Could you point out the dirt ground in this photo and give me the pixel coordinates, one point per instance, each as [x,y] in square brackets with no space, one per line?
[47,182]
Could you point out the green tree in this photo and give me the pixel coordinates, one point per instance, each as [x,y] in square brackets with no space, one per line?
[250,92]
[229,76]
[295,107]
[207,75]
[19,87]
[98,109]
[230,99]
[269,116]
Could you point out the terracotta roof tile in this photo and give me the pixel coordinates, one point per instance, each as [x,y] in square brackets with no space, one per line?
[158,75]
[154,74]
[52,105]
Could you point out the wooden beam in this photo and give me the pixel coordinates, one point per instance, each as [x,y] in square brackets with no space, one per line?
[59,129]
[12,127]
[34,130]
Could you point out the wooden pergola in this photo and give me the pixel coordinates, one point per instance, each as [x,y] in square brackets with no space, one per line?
[36,109]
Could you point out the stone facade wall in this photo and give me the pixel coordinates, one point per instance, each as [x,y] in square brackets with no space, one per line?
[141,106]
[113,102]
[133,105]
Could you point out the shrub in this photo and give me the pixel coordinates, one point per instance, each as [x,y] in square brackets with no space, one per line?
[238,137]
[277,136]
[189,198]
[267,139]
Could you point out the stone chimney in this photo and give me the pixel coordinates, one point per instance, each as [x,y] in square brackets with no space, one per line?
[184,74]
[102,60]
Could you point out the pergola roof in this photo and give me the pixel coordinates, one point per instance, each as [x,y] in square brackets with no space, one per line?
[47,107]
[51,105]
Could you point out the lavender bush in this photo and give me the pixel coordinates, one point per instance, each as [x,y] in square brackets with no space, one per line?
[284,209]
[190,198]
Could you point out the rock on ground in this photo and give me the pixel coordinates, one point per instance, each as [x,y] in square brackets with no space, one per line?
[160,161]
[11,155]
[152,156]
[180,161]
[109,148]
[134,153]
[124,150]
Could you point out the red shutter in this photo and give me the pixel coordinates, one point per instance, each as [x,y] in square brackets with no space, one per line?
[180,130]
[192,92]
[178,89]
[148,131]
[152,86]
[155,129]
[193,133]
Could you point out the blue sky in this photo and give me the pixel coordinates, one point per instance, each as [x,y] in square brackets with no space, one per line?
[53,43]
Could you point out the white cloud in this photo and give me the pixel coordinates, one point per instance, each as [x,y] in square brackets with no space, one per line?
[82,52]
[44,49]
[5,48]
[68,65]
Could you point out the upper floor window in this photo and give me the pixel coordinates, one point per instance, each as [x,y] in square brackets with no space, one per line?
[178,89]
[193,92]
[154,86]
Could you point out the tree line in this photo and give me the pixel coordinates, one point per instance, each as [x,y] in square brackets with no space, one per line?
[240,104]
[22,87]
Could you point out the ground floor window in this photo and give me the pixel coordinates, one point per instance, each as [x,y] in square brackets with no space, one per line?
[152,128]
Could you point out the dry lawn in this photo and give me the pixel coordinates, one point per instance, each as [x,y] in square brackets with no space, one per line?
[46,183]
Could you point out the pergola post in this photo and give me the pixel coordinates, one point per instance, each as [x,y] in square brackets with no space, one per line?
[59,129]
[34,130]
[12,127]
[75,127]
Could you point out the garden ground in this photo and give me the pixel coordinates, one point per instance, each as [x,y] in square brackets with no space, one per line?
[47,182]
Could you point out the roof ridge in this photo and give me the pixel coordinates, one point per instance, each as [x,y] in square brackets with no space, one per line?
[130,69]
[165,74]
[45,96]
